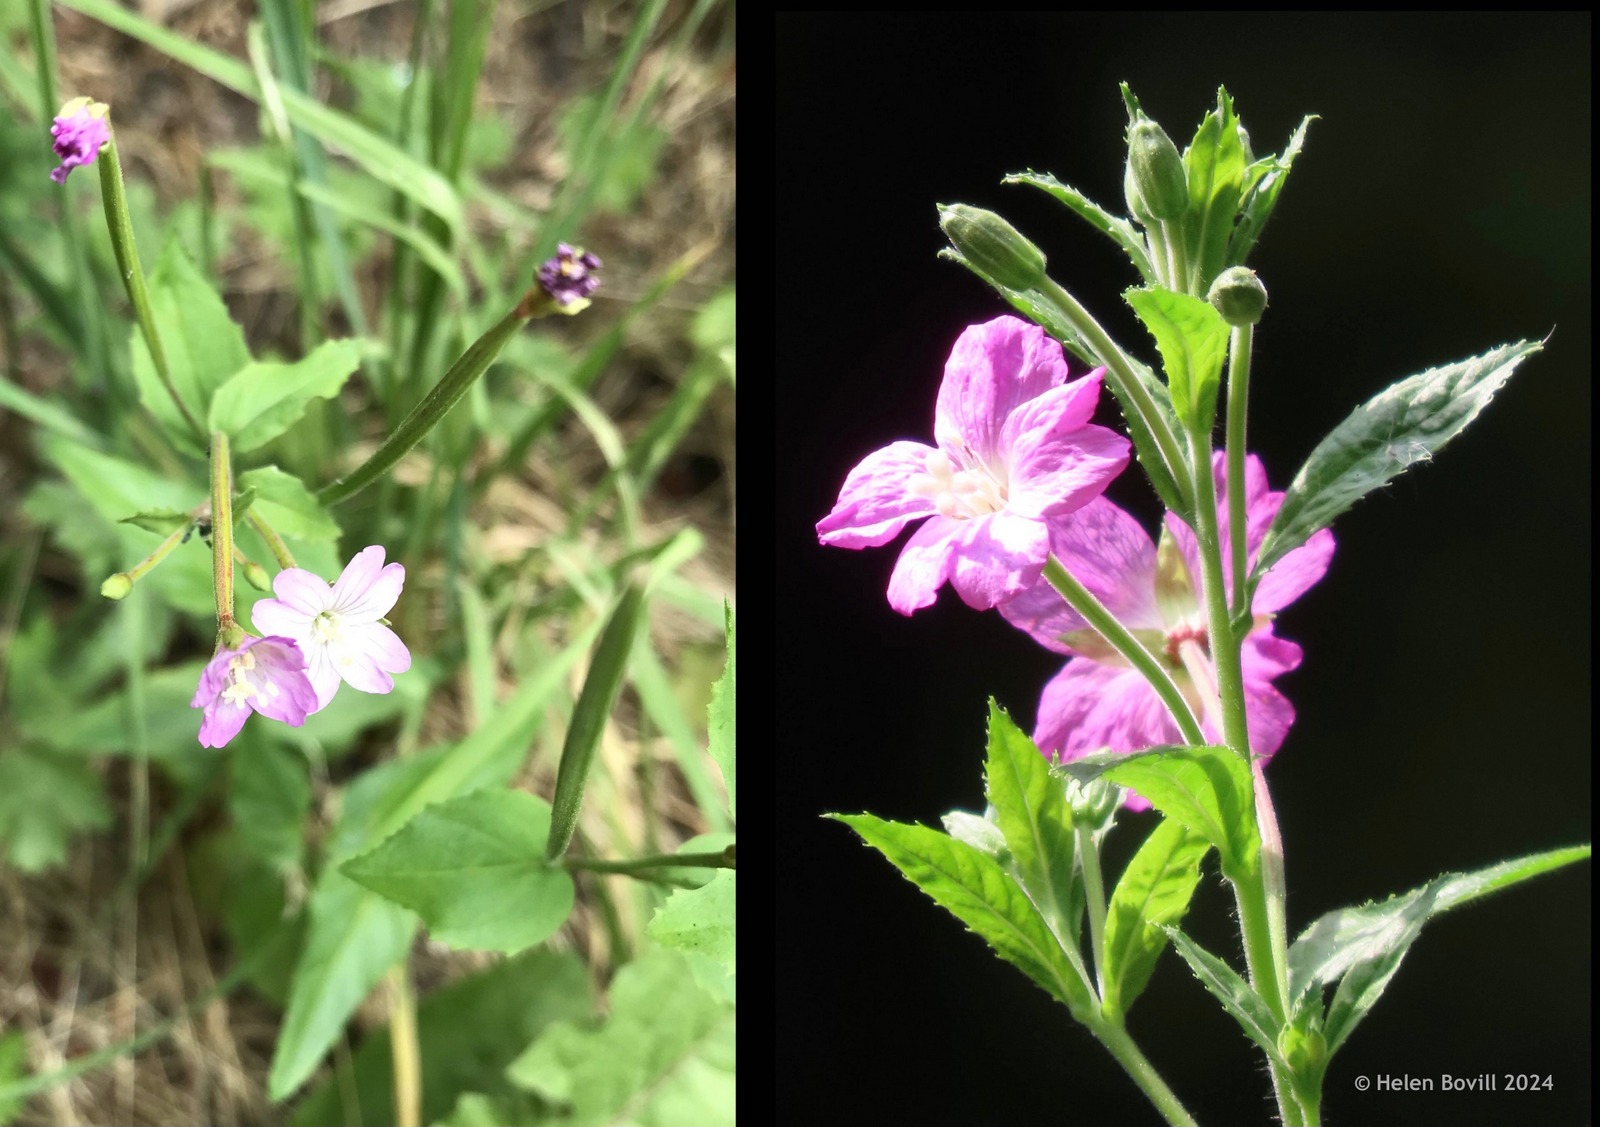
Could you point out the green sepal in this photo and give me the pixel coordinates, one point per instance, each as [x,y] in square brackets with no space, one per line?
[160,521]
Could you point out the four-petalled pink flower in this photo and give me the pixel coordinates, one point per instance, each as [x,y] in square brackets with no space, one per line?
[267,675]
[338,625]
[1098,701]
[1014,446]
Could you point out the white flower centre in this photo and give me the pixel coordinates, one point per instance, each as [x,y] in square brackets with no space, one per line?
[326,628]
[961,491]
[240,687]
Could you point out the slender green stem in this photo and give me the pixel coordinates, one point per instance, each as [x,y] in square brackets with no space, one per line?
[433,407]
[1265,957]
[1124,382]
[280,550]
[720,859]
[222,540]
[1172,234]
[1239,347]
[115,196]
[1095,894]
[138,570]
[1107,626]
[1115,1038]
[1158,254]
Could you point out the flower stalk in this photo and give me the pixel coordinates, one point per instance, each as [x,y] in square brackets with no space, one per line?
[229,633]
[118,222]
[1239,347]
[117,586]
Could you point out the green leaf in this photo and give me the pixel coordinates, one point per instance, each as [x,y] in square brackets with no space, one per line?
[269,796]
[474,870]
[467,1033]
[13,1067]
[978,832]
[162,521]
[284,502]
[1031,809]
[1237,996]
[204,348]
[1214,164]
[44,800]
[1362,947]
[354,937]
[1264,180]
[665,1056]
[1206,789]
[719,715]
[1047,314]
[1154,892]
[1193,339]
[1405,423]
[267,398]
[973,887]
[1114,227]
[699,919]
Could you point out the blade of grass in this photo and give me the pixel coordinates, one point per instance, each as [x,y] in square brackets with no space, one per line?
[649,678]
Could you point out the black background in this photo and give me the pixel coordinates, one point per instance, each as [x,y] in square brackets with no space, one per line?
[1441,207]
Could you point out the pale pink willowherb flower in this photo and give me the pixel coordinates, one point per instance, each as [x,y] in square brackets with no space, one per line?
[1014,446]
[267,675]
[1098,701]
[338,626]
[78,132]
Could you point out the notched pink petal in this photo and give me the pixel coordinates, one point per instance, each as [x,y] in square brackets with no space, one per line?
[302,591]
[877,501]
[222,722]
[993,369]
[274,616]
[374,652]
[358,576]
[922,567]
[1295,574]
[1065,473]
[377,600]
[999,557]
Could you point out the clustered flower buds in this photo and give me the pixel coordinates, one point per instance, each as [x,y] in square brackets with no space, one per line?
[569,276]
[79,131]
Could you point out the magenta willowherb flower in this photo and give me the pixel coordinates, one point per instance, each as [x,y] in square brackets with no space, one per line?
[569,276]
[79,131]
[337,624]
[1014,447]
[1098,701]
[267,675]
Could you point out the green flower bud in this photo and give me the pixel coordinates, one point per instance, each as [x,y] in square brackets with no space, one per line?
[116,586]
[1238,295]
[993,246]
[1136,207]
[1302,1049]
[1156,169]
[256,576]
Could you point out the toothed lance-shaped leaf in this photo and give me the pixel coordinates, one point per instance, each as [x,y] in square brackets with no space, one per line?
[1404,424]
[1361,948]
[1193,339]
[1031,809]
[972,886]
[267,398]
[664,1057]
[1154,892]
[473,868]
[1237,996]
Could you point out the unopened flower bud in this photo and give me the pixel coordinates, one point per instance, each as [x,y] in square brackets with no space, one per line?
[1238,295]
[116,586]
[1136,205]
[256,576]
[1156,169]
[993,246]
[1302,1049]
